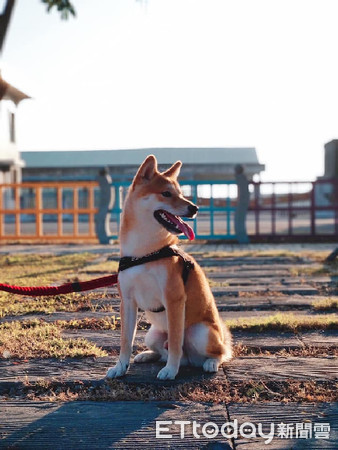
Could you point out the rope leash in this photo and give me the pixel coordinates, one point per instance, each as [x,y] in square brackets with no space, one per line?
[110,280]
[77,286]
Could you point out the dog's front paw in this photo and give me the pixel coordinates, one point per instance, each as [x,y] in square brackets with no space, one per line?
[167,373]
[118,371]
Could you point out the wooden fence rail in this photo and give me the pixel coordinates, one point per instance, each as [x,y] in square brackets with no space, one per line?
[63,211]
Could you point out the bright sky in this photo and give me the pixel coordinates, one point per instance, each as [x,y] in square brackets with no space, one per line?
[161,73]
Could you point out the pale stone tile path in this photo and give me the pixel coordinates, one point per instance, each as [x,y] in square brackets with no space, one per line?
[251,286]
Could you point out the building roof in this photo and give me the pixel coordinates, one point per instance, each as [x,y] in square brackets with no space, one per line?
[101,158]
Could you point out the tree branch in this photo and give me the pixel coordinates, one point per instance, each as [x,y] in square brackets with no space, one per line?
[5,18]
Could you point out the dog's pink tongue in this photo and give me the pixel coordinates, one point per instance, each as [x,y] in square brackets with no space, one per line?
[184,227]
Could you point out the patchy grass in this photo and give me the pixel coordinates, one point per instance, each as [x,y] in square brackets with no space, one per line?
[266,293]
[308,271]
[305,351]
[332,268]
[101,323]
[215,283]
[15,305]
[325,304]
[33,270]
[104,323]
[37,339]
[284,322]
[277,322]
[215,391]
[105,267]
[329,269]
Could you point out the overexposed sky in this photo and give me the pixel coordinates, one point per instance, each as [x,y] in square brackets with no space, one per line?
[182,73]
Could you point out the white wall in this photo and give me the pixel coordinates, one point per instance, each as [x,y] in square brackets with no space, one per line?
[9,153]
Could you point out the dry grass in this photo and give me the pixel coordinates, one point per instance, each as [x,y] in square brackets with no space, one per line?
[36,339]
[33,270]
[305,351]
[215,391]
[215,283]
[105,323]
[15,305]
[284,322]
[325,304]
[258,324]
[313,270]
[105,267]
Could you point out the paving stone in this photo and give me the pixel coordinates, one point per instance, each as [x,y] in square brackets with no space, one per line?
[288,290]
[71,315]
[243,314]
[103,425]
[276,262]
[282,368]
[273,341]
[201,246]
[271,281]
[58,249]
[275,303]
[66,370]
[108,340]
[296,300]
[271,414]
[322,338]
[269,341]
[240,273]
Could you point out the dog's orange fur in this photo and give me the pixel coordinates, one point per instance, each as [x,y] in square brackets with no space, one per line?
[190,327]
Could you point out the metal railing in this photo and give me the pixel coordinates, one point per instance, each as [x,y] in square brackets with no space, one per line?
[216,201]
[229,210]
[294,209]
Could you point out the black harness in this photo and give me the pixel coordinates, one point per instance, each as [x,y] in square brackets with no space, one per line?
[166,252]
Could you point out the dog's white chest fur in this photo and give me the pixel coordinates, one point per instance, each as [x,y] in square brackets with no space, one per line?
[145,285]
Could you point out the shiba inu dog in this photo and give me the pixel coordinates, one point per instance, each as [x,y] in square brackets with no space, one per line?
[185,324]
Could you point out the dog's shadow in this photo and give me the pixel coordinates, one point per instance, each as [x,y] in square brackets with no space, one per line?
[147,374]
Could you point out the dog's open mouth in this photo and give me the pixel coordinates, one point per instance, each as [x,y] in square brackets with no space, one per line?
[174,224]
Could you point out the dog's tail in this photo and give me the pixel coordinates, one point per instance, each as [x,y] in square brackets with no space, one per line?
[227,344]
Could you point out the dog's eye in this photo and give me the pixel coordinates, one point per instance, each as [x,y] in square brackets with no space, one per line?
[166,194]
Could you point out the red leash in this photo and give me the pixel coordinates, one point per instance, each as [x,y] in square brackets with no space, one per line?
[77,286]
[125,263]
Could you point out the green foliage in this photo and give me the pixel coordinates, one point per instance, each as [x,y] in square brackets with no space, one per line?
[63,6]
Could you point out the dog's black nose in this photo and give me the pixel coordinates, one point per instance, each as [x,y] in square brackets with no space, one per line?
[192,209]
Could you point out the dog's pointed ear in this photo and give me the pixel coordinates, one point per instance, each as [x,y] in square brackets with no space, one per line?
[146,171]
[174,170]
